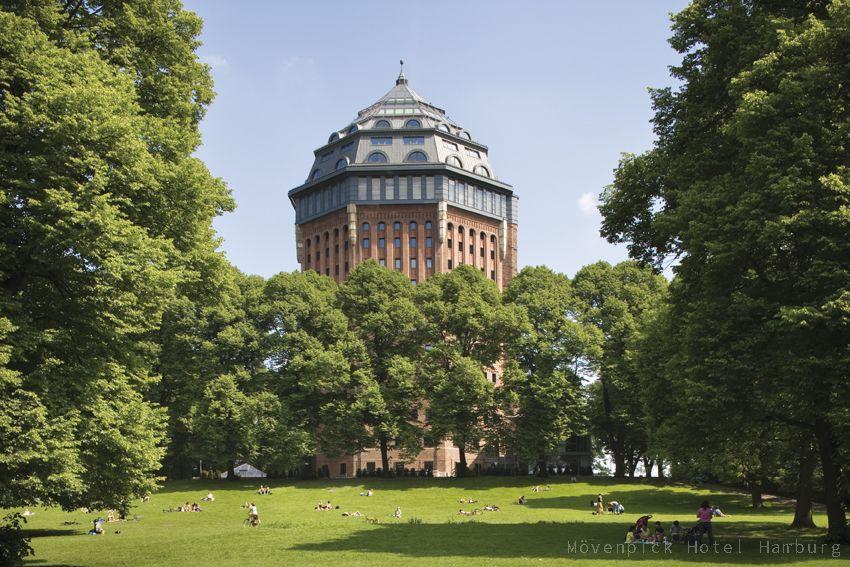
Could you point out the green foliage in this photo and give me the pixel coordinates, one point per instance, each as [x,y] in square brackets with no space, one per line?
[748,186]
[106,231]
[617,301]
[542,389]
[14,545]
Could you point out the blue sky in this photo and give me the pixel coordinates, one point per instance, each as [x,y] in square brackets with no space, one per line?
[557,90]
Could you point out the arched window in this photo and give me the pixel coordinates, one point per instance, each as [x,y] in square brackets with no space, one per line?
[336,233]
[482,171]
[412,225]
[377,157]
[365,227]
[327,236]
[333,137]
[466,135]
[460,232]
[353,128]
[308,243]
[429,225]
[450,226]
[316,174]
[471,232]
[443,128]
[316,238]
[416,156]
[483,237]
[454,160]
[341,163]
[492,239]
[382,226]
[413,123]
[383,124]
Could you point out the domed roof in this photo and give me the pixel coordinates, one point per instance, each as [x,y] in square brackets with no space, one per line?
[401,128]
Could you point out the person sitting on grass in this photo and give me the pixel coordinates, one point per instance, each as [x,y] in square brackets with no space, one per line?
[208,498]
[97,528]
[367,493]
[535,488]
[658,537]
[644,534]
[717,512]
[397,513]
[196,507]
[630,535]
[675,532]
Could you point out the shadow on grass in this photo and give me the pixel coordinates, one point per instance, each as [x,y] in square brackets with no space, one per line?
[658,500]
[43,532]
[543,540]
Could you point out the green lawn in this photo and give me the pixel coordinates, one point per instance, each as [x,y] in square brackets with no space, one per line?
[292,533]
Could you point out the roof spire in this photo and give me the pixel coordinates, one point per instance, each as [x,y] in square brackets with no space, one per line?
[401,79]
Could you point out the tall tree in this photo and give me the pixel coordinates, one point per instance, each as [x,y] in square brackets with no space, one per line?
[543,391]
[747,185]
[104,218]
[466,329]
[617,300]
[380,309]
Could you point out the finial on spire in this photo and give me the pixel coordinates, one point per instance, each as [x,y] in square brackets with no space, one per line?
[401,79]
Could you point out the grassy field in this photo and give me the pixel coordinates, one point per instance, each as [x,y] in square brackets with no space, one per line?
[429,533]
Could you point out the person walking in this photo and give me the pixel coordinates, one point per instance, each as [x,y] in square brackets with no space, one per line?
[704,515]
[600,506]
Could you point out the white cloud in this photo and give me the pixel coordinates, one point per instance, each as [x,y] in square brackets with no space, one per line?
[587,203]
[214,61]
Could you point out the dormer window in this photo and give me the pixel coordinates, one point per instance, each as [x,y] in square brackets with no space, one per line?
[317,173]
[443,128]
[413,123]
[417,156]
[383,124]
[455,161]
[482,171]
[353,128]
[341,163]
[377,157]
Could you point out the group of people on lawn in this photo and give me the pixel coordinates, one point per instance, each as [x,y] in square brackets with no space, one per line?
[640,532]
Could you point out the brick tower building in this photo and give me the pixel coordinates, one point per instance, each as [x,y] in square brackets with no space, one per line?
[405,185]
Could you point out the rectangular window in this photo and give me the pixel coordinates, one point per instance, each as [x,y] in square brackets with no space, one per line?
[472,248]
[383,262]
[450,243]
[413,281]
[336,270]
[382,243]
[414,140]
[365,243]
[397,263]
[450,264]
[460,246]
[346,146]
[370,466]
[327,271]
[429,263]
[472,153]
[318,255]
[413,263]
[493,275]
[346,267]
[492,254]
[336,249]
[482,251]
[429,242]
[327,252]
[382,140]
[397,242]
[345,245]
[450,145]
[326,156]
[413,242]
[343,469]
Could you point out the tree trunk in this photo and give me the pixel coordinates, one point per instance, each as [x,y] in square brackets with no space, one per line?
[755,492]
[836,531]
[647,467]
[633,463]
[231,474]
[385,458]
[660,463]
[461,467]
[803,507]
[619,464]
[542,468]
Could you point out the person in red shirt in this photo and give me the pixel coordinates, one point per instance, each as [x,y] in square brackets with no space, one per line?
[704,515]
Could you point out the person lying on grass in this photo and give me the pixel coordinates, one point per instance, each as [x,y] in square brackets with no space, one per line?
[468,501]
[367,493]
[354,514]
[492,508]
